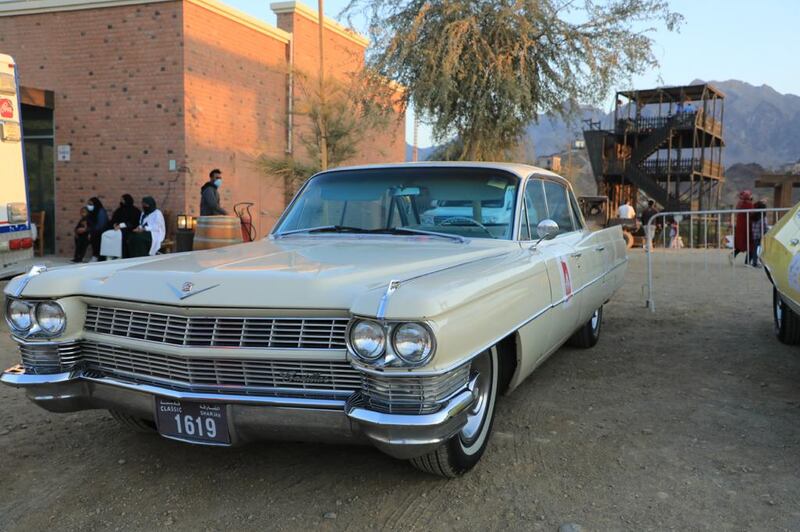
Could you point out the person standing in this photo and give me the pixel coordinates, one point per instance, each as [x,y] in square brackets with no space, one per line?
[146,239]
[649,230]
[675,239]
[81,236]
[626,211]
[98,222]
[741,240]
[209,195]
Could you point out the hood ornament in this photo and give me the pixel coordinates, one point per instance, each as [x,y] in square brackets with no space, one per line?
[393,286]
[187,290]
[35,270]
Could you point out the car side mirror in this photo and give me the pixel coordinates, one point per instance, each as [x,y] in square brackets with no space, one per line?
[547,229]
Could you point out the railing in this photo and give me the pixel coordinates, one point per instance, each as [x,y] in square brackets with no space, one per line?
[644,124]
[683,166]
[710,231]
[708,123]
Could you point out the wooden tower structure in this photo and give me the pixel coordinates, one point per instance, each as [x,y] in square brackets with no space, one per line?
[666,143]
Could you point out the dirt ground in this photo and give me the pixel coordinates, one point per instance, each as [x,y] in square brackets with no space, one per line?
[683,419]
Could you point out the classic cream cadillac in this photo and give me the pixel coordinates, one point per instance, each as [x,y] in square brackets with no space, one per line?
[353,321]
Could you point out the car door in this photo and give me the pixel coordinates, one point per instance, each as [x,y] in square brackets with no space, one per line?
[555,322]
[595,258]
[572,261]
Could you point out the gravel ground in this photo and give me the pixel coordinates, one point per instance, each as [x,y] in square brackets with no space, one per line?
[684,419]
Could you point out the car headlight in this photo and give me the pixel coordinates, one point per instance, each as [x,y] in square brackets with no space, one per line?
[367,339]
[50,317]
[413,343]
[19,315]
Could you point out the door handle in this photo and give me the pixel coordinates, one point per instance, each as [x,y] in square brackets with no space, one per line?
[577,255]
[794,241]
[601,248]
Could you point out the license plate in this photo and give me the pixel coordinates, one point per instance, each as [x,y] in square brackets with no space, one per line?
[192,422]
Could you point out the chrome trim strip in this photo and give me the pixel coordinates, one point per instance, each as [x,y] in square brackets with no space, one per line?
[366,369]
[395,284]
[17,377]
[455,406]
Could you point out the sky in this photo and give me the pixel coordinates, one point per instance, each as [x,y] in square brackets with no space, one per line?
[756,42]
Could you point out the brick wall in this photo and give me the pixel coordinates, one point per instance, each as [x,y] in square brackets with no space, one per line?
[343,57]
[117,77]
[137,86]
[236,102]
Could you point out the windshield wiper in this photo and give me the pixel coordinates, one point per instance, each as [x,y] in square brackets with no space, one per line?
[324,229]
[409,231]
[361,230]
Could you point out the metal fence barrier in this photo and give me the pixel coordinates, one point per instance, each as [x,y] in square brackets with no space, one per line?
[710,231]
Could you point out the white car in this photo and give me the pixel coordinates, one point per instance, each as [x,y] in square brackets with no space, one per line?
[354,321]
[448,212]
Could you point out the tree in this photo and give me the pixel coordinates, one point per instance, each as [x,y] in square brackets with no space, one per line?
[348,111]
[482,70]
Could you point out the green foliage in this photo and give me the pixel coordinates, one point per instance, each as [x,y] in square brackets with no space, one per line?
[482,70]
[291,172]
[350,111]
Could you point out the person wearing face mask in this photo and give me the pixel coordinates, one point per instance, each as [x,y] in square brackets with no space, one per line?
[209,195]
[125,218]
[98,222]
[147,238]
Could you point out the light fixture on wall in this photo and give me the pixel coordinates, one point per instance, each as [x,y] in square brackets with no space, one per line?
[184,236]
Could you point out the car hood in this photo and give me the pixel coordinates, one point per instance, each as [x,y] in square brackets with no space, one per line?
[298,272]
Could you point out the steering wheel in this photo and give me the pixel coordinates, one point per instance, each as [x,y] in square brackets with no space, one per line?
[459,220]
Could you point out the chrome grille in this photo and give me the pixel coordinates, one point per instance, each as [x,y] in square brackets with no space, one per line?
[44,359]
[218,331]
[239,376]
[412,395]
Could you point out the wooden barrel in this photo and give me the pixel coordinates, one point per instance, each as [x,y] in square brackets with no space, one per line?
[217,231]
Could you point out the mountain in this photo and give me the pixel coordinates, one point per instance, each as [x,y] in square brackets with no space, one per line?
[761,131]
[551,134]
[761,124]
[422,153]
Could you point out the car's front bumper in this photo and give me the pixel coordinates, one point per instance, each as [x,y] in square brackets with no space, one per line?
[256,417]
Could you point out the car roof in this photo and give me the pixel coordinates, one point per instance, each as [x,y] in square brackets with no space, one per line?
[520,170]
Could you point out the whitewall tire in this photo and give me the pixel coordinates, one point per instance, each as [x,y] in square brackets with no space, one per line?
[463,451]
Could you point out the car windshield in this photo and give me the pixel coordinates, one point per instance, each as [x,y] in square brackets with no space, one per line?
[467,202]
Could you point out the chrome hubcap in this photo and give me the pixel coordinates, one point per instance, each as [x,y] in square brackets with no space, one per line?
[778,312]
[482,371]
[595,319]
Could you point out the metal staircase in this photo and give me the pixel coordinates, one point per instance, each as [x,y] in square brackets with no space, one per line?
[656,147]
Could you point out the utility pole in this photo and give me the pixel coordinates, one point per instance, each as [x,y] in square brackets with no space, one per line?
[415,149]
[323,144]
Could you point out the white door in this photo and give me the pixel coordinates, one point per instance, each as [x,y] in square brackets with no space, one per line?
[562,262]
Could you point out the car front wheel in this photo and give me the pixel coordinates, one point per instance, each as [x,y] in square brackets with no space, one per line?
[787,323]
[461,452]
